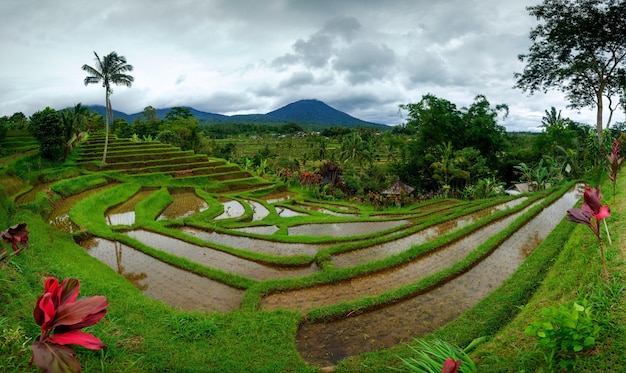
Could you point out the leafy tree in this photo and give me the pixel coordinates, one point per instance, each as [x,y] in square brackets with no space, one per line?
[184,126]
[551,118]
[578,47]
[18,121]
[290,127]
[47,127]
[122,128]
[109,70]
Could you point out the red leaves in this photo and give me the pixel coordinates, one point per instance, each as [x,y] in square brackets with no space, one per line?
[60,314]
[451,366]
[591,209]
[16,234]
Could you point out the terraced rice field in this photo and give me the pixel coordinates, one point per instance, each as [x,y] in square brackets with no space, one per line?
[243,243]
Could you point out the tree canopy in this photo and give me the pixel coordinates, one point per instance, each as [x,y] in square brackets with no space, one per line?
[579,48]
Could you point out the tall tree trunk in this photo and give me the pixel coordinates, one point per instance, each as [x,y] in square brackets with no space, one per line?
[599,116]
[106,126]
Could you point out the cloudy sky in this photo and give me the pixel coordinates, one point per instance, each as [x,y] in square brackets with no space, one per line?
[364,57]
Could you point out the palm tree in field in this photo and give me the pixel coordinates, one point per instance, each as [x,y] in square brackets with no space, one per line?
[109,70]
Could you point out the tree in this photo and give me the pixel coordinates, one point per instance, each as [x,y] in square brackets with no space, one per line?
[109,70]
[579,48]
[551,118]
[46,126]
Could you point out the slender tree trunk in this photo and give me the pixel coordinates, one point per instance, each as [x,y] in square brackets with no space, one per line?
[599,117]
[106,126]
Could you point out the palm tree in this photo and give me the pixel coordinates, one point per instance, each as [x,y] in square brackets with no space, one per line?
[109,70]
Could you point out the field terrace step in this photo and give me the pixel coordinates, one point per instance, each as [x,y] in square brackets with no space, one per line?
[141,156]
[123,166]
[200,165]
[97,150]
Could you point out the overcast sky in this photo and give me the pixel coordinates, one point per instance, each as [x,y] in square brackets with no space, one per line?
[363,57]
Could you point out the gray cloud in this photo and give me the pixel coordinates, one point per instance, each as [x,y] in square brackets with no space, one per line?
[362,56]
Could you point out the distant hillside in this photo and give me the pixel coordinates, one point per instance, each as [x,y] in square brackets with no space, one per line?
[308,113]
[315,112]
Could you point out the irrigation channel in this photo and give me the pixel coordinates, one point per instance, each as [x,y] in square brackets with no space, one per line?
[323,343]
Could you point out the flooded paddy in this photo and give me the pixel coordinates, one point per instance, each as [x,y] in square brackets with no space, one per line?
[344,229]
[327,343]
[259,229]
[162,281]
[383,281]
[232,209]
[376,252]
[59,217]
[217,259]
[256,244]
[185,204]
[277,197]
[124,213]
[259,212]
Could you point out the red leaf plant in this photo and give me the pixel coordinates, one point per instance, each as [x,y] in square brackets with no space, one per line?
[590,214]
[614,163]
[60,315]
[451,366]
[15,235]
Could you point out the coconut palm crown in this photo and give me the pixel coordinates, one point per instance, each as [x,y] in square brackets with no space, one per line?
[111,69]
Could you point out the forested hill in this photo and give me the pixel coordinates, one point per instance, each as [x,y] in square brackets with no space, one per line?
[304,112]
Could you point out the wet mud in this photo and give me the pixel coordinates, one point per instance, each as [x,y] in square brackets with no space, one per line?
[59,217]
[124,213]
[344,229]
[185,204]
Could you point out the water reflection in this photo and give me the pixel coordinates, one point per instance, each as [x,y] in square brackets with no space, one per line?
[232,209]
[327,343]
[162,281]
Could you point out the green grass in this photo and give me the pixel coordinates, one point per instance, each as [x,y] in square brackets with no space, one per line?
[145,335]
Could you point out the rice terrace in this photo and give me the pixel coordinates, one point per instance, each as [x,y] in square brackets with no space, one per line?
[208,240]
[308,240]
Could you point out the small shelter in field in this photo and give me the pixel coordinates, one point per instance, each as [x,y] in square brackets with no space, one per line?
[398,187]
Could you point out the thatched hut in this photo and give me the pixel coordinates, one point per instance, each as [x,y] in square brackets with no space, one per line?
[398,187]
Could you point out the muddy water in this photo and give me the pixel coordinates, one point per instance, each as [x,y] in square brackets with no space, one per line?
[259,212]
[261,229]
[376,252]
[255,244]
[383,281]
[124,213]
[164,282]
[185,204]
[343,229]
[278,197]
[327,343]
[217,259]
[232,209]
[59,217]
[327,211]
[284,212]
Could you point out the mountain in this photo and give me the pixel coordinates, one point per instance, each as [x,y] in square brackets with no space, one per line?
[315,112]
[308,113]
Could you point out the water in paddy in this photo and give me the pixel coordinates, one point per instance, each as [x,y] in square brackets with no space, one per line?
[327,211]
[327,343]
[255,244]
[259,229]
[232,209]
[124,213]
[259,212]
[59,217]
[343,229]
[277,197]
[162,281]
[185,204]
[377,283]
[376,252]
[218,259]
[284,212]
